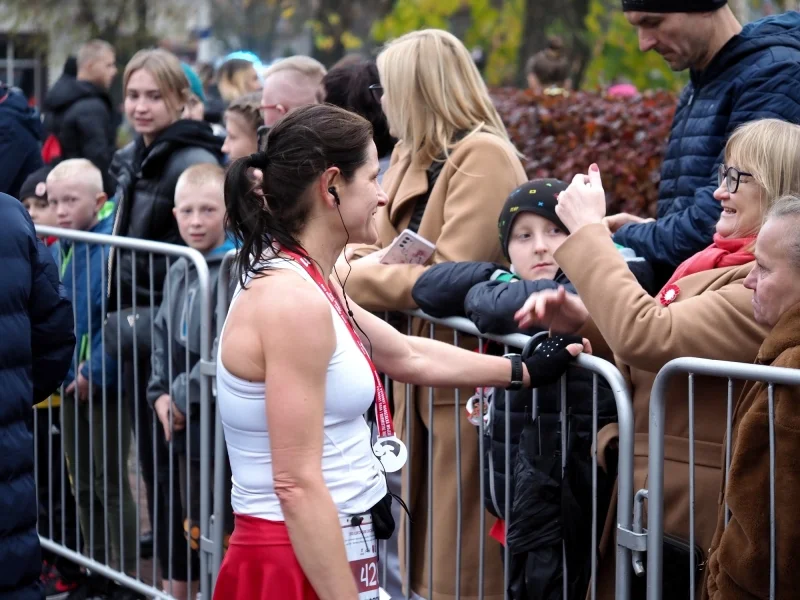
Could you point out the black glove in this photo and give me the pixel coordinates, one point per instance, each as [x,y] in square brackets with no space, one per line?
[548,361]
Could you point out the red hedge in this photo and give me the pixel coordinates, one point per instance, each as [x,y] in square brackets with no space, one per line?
[561,135]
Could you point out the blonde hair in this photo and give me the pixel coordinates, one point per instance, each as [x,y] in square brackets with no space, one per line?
[305,65]
[166,69]
[79,169]
[92,50]
[434,92]
[199,176]
[770,150]
[249,108]
[232,78]
[303,71]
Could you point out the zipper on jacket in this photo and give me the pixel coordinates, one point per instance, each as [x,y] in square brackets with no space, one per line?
[83,355]
[689,106]
[112,249]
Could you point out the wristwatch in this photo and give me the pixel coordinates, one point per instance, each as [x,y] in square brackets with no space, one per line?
[516,372]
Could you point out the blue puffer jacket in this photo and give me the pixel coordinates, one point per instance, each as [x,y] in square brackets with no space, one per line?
[20,136]
[84,272]
[36,342]
[754,76]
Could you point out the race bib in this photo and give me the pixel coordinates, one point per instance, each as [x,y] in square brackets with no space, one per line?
[362,554]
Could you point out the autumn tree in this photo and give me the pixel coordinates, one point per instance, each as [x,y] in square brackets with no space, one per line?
[125,23]
[493,25]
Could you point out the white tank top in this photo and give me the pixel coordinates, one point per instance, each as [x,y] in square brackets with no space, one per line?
[351,471]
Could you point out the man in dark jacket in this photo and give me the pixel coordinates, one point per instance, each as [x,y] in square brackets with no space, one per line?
[36,344]
[737,75]
[20,136]
[78,110]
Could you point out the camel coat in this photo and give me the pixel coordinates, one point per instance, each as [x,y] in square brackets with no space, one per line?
[738,565]
[461,219]
[712,318]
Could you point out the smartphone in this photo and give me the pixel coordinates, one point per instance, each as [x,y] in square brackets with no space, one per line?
[408,248]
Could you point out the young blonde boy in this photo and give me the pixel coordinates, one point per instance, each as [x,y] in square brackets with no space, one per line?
[93,420]
[173,391]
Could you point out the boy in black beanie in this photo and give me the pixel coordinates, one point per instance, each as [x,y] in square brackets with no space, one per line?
[490,293]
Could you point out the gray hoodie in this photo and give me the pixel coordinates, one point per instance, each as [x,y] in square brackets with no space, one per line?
[177,328]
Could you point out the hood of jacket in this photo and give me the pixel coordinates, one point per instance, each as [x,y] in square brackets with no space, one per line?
[68,90]
[770,32]
[183,309]
[784,336]
[181,134]
[14,105]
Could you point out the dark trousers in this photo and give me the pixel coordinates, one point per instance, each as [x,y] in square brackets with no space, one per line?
[154,458]
[56,502]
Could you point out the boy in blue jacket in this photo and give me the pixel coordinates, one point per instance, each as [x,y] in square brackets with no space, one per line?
[94,419]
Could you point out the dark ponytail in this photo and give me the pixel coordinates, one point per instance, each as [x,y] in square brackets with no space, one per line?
[299,148]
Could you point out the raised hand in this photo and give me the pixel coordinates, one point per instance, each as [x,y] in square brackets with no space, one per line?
[555,310]
[583,202]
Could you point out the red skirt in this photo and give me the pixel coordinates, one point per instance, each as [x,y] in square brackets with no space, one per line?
[260,564]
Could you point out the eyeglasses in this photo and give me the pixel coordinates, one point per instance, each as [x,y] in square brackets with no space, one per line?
[376,89]
[730,176]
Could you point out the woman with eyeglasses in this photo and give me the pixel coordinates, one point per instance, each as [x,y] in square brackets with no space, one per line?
[703,311]
[449,177]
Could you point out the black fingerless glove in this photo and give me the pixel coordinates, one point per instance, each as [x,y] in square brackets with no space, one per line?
[548,361]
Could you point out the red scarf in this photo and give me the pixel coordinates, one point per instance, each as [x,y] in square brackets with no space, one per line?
[722,253]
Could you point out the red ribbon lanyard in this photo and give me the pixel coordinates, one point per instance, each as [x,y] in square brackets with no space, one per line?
[384,417]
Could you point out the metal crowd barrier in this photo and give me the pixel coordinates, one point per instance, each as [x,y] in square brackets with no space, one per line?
[652,540]
[631,542]
[212,465]
[459,328]
[81,469]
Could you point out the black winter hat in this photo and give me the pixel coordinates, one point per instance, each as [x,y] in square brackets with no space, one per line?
[539,196]
[34,186]
[673,6]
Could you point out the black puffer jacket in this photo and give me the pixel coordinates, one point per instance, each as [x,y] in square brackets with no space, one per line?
[81,116]
[467,289]
[546,508]
[146,179]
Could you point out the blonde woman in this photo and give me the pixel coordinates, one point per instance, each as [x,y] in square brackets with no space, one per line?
[237,77]
[449,176]
[703,311]
[156,91]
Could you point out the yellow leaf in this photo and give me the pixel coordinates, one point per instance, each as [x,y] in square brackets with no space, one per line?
[351,41]
[324,42]
[334,19]
[288,12]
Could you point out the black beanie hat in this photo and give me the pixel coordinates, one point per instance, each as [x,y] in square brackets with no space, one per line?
[34,186]
[673,6]
[538,196]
